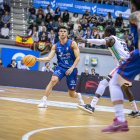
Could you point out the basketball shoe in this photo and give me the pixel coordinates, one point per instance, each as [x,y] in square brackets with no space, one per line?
[134,114]
[88,108]
[117,126]
[43,102]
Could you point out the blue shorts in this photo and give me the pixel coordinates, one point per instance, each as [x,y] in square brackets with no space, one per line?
[70,79]
[131,67]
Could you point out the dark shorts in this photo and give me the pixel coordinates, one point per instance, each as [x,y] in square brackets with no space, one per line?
[70,79]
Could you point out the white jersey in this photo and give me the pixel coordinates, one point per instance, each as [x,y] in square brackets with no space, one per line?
[119,50]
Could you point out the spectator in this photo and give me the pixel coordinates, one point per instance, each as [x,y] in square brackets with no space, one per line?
[93,73]
[5,19]
[75,18]
[20,65]
[52,37]
[48,18]
[5,32]
[109,19]
[47,67]
[66,16]
[13,64]
[57,14]
[119,21]
[32,13]
[39,19]
[49,10]
[40,11]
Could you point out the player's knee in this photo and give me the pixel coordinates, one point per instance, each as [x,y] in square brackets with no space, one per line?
[54,80]
[72,93]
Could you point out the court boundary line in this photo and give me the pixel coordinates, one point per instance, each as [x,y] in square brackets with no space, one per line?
[83,94]
[30,133]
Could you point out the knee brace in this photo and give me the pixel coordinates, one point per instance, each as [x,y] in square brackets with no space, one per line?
[102,86]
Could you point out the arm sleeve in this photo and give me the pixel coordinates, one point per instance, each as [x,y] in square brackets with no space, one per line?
[97,42]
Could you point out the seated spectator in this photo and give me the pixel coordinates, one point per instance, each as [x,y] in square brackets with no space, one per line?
[75,18]
[93,73]
[5,32]
[119,21]
[43,32]
[40,11]
[52,37]
[48,18]
[20,65]
[5,19]
[101,20]
[49,10]
[35,38]
[1,64]
[47,67]
[57,14]
[39,19]
[65,16]
[109,19]
[32,13]
[13,64]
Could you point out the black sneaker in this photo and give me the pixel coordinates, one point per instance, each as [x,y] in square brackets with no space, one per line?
[87,108]
[134,114]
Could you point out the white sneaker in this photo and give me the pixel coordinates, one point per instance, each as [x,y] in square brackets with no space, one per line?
[43,102]
[80,100]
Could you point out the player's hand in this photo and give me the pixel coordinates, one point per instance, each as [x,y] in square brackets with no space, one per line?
[69,71]
[80,39]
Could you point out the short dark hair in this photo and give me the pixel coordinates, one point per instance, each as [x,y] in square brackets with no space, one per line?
[63,27]
[110,30]
[136,3]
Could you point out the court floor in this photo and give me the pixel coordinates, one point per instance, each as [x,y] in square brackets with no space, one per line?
[21,119]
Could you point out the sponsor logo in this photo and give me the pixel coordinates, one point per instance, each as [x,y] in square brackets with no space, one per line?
[18,56]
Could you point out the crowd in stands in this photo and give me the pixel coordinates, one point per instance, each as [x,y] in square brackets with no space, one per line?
[4,20]
[44,24]
[110,2]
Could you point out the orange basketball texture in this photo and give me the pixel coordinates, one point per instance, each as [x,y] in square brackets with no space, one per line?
[29,60]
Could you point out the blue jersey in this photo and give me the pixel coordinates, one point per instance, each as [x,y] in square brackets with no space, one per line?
[65,54]
[131,67]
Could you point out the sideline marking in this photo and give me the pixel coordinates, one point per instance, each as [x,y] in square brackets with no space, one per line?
[60,104]
[27,135]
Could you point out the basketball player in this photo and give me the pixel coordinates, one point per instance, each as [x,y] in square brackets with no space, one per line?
[68,56]
[131,67]
[120,52]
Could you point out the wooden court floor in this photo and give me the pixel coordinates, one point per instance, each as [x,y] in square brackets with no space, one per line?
[21,119]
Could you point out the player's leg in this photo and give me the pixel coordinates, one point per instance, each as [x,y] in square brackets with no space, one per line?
[119,123]
[99,92]
[58,75]
[130,96]
[71,83]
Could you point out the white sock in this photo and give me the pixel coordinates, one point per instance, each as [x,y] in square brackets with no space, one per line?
[45,97]
[134,106]
[119,112]
[94,101]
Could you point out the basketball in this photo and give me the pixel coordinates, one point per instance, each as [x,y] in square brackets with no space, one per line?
[29,60]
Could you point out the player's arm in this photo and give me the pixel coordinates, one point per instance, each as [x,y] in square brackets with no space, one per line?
[135,19]
[50,56]
[109,41]
[76,53]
